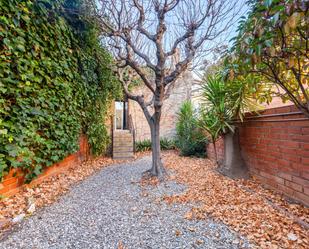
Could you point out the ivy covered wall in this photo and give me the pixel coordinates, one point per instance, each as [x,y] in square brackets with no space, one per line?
[55,83]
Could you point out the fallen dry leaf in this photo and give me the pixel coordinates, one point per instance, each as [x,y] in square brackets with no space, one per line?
[244,205]
[177,233]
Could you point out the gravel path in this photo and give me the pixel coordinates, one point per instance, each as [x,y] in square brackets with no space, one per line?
[111,210]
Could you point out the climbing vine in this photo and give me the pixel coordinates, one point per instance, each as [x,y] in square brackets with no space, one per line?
[55,83]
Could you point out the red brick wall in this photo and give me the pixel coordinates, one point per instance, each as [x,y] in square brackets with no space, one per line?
[219,148]
[14,180]
[276,150]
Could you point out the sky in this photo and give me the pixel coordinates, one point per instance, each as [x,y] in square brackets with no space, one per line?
[227,36]
[186,9]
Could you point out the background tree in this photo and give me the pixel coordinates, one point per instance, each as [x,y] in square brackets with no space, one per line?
[273,42]
[149,34]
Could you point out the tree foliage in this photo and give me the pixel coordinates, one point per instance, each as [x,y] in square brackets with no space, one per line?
[55,83]
[273,42]
[270,48]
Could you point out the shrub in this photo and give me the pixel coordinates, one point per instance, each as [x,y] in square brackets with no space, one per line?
[144,145]
[165,143]
[190,140]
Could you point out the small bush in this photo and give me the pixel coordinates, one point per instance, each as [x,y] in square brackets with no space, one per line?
[165,143]
[144,145]
[190,140]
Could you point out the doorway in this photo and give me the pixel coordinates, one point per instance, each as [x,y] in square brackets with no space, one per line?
[121,115]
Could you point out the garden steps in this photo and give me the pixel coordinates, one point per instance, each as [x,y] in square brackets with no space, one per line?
[122,144]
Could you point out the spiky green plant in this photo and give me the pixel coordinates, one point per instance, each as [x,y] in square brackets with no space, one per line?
[225,101]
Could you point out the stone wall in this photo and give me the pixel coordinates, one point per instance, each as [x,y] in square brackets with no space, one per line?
[180,93]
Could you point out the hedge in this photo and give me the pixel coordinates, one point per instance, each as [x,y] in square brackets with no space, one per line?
[55,83]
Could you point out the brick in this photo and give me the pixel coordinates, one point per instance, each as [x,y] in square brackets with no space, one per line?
[300,181]
[306,191]
[305,130]
[275,154]
[290,170]
[271,186]
[305,146]
[304,123]
[283,109]
[268,159]
[278,152]
[4,190]
[283,163]
[254,171]
[301,167]
[9,181]
[285,189]
[305,175]
[304,198]
[279,130]
[299,137]
[305,160]
[272,177]
[294,186]
[294,130]
[288,150]
[11,192]
[290,144]
[14,185]
[302,152]
[293,158]
[285,176]
[280,136]
[264,142]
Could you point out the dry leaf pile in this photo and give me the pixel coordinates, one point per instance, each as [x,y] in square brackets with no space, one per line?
[229,201]
[50,189]
[298,210]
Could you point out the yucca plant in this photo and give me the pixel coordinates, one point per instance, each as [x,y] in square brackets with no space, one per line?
[225,102]
[216,101]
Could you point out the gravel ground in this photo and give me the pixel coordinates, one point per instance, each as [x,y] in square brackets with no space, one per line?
[111,210]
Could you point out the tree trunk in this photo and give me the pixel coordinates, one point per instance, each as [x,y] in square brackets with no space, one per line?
[215,150]
[233,165]
[157,168]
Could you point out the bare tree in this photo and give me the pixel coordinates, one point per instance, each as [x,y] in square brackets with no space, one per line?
[145,35]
